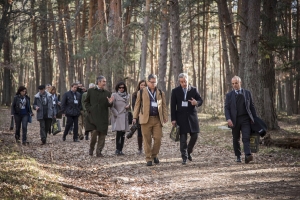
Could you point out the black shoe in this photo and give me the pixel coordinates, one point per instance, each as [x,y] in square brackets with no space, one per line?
[43,142]
[121,153]
[24,143]
[238,159]
[64,138]
[190,157]
[149,163]
[87,136]
[90,152]
[99,155]
[248,158]
[156,161]
[76,140]
[18,140]
[117,152]
[184,161]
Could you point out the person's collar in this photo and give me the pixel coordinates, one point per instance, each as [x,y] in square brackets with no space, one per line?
[154,90]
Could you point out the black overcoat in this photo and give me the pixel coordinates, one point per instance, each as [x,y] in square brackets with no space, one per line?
[230,106]
[186,117]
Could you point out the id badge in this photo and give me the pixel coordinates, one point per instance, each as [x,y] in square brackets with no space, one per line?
[76,101]
[23,107]
[153,104]
[184,104]
[55,102]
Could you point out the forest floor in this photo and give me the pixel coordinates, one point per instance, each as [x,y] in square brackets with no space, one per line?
[64,170]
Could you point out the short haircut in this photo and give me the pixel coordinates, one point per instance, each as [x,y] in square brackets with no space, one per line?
[237,78]
[48,85]
[183,75]
[91,85]
[99,79]
[120,83]
[41,87]
[151,76]
[74,84]
[20,89]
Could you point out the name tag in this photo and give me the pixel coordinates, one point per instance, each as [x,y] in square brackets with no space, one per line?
[76,101]
[153,104]
[54,102]
[23,107]
[184,104]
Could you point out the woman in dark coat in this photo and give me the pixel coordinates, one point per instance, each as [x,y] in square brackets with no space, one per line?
[140,86]
[22,112]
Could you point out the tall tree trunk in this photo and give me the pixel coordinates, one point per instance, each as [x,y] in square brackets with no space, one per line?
[268,65]
[8,79]
[234,57]
[4,22]
[297,62]
[59,50]
[192,47]
[252,69]
[199,49]
[163,51]
[243,37]
[71,64]
[145,40]
[35,49]
[225,58]
[177,66]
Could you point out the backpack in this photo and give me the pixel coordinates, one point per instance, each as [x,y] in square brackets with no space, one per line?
[141,99]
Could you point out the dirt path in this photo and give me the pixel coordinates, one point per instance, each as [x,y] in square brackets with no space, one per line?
[212,174]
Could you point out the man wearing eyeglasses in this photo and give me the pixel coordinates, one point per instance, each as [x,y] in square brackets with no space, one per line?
[240,113]
[150,107]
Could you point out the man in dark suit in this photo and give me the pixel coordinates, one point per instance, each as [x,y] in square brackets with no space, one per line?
[184,101]
[240,113]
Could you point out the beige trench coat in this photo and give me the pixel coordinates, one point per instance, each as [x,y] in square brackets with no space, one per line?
[119,114]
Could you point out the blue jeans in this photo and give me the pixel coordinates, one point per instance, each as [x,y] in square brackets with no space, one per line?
[21,119]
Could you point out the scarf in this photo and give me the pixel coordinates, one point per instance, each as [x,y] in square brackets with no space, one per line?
[123,95]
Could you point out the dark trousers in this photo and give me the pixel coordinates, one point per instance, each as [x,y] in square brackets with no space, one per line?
[45,125]
[139,132]
[120,140]
[72,120]
[21,120]
[242,124]
[185,148]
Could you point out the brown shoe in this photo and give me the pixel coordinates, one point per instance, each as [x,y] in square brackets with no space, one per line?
[99,155]
[248,158]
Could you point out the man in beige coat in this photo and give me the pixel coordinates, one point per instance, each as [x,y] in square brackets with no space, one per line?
[152,113]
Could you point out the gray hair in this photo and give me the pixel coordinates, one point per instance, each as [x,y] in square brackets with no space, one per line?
[237,78]
[183,75]
[151,76]
[99,79]
[91,85]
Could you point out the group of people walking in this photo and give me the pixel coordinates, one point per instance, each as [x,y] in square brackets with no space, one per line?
[90,108]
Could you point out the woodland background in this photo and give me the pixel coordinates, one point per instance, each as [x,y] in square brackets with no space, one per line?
[62,41]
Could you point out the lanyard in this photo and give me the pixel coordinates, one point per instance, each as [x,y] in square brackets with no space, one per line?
[153,96]
[185,92]
[53,97]
[75,96]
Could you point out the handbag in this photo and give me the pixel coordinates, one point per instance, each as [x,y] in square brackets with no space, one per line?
[59,112]
[175,133]
[56,127]
[29,118]
[12,122]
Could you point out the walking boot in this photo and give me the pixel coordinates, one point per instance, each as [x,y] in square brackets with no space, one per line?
[86,135]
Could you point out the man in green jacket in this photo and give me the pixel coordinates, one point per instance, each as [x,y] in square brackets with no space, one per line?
[97,102]
[83,113]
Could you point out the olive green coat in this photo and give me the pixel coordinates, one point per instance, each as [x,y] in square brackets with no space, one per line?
[97,105]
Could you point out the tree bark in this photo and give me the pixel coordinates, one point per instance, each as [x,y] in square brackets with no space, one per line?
[7,82]
[145,40]
[234,57]
[163,51]
[268,65]
[228,73]
[243,37]
[252,69]
[177,66]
